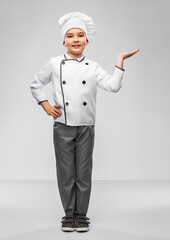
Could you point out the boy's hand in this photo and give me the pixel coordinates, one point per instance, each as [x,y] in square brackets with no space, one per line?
[128,54]
[123,56]
[52,111]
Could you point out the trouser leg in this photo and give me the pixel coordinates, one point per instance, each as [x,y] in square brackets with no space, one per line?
[64,145]
[84,151]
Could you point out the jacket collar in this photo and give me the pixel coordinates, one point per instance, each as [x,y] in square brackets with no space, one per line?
[66,56]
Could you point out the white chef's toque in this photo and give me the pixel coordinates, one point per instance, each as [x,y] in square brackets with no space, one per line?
[77,20]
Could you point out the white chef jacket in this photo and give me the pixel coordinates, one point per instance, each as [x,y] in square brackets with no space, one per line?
[75,84]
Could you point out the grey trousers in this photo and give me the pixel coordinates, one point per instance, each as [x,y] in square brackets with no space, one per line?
[73,151]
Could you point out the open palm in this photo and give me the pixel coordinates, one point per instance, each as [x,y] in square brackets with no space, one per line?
[128,54]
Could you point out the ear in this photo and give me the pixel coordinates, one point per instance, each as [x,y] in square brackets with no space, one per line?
[87,41]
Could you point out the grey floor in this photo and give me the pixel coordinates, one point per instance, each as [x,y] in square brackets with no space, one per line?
[120,210]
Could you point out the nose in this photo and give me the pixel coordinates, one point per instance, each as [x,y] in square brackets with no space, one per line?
[75,38]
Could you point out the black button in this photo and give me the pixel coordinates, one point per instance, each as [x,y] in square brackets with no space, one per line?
[63,62]
[67,103]
[64,82]
[87,63]
[84,103]
[83,82]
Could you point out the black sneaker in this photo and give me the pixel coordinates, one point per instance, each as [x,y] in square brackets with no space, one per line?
[68,223]
[81,223]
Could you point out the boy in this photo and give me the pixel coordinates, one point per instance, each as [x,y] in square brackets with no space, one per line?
[75,79]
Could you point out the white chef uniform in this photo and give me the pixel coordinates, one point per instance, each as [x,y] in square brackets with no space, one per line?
[75,84]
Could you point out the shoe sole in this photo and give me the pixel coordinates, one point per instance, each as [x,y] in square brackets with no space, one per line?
[83,229]
[68,229]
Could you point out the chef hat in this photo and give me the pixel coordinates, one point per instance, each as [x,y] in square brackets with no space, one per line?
[77,20]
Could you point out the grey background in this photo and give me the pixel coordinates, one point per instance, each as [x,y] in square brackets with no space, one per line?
[132,126]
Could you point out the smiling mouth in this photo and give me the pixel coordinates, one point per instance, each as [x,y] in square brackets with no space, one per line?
[76,45]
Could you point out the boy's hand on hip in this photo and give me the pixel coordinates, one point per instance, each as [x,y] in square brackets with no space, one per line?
[52,111]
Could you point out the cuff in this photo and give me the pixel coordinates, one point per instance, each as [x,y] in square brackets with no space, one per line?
[120,68]
[43,101]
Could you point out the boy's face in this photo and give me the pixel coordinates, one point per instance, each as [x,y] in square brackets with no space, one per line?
[75,41]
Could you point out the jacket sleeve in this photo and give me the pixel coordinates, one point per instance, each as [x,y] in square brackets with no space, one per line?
[42,78]
[111,83]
